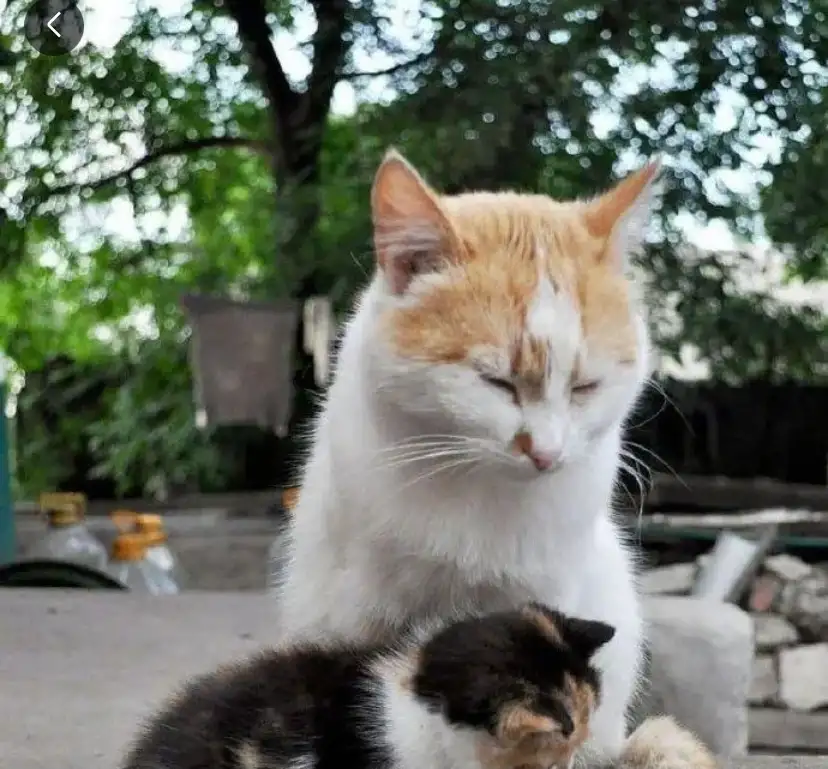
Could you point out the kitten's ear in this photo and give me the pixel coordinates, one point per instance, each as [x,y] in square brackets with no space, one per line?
[586,636]
[621,214]
[518,722]
[411,233]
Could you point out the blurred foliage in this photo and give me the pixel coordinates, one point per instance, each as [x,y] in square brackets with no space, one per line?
[186,159]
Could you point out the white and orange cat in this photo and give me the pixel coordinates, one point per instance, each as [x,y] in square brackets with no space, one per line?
[468,450]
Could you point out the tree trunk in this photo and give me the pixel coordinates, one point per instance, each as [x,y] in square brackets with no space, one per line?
[299,120]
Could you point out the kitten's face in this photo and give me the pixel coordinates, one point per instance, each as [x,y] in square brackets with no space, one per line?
[506,320]
[524,677]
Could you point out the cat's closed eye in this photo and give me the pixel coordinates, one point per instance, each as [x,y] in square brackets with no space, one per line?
[586,387]
[500,384]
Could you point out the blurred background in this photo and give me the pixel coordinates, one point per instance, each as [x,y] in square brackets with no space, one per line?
[184,219]
[226,148]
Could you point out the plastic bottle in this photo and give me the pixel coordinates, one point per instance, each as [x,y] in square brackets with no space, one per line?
[151,527]
[68,538]
[159,552]
[129,565]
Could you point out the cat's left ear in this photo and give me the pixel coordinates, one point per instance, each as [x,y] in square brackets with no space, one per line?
[622,213]
[412,235]
[586,636]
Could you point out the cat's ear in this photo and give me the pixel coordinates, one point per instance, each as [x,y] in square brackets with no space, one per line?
[517,722]
[411,233]
[586,636]
[622,213]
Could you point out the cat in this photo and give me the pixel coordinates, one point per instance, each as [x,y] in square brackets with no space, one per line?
[467,452]
[497,691]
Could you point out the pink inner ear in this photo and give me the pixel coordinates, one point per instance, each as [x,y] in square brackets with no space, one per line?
[411,233]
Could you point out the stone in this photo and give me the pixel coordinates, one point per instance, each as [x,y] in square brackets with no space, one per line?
[807,605]
[803,677]
[787,567]
[699,668]
[772,631]
[763,594]
[764,684]
[675,579]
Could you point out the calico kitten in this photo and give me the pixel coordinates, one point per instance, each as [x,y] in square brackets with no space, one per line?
[497,691]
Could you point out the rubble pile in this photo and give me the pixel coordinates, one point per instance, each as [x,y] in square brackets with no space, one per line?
[788,600]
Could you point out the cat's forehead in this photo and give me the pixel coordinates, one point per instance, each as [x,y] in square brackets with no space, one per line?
[521,289]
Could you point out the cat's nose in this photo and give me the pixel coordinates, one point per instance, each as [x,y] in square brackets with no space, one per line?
[542,459]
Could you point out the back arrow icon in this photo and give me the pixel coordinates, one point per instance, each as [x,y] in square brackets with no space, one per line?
[52,21]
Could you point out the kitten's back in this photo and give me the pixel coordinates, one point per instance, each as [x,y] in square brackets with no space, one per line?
[276,709]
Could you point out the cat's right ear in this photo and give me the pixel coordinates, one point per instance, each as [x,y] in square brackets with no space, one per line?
[412,235]
[587,636]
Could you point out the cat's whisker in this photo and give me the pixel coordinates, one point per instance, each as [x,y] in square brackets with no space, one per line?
[425,457]
[435,471]
[666,465]
[401,451]
[640,483]
[413,450]
[419,445]
[639,467]
[667,400]
[470,461]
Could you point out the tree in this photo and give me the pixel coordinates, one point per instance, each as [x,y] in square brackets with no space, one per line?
[120,134]
[234,178]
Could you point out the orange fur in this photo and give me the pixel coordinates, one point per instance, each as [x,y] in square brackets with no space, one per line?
[529,740]
[490,251]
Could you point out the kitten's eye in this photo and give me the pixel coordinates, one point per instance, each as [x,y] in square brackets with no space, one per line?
[585,388]
[501,384]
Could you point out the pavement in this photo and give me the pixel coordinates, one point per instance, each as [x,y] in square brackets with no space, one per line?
[80,669]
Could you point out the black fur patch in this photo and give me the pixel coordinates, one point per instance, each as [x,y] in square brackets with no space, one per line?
[474,669]
[285,705]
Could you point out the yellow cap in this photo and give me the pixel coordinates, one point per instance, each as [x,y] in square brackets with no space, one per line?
[52,499]
[129,547]
[149,522]
[151,525]
[124,520]
[63,508]
[154,538]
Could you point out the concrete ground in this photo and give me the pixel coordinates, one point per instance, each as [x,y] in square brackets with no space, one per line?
[78,669]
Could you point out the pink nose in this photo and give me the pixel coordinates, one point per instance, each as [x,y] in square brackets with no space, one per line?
[543,460]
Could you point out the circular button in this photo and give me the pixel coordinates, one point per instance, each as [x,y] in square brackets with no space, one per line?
[54,27]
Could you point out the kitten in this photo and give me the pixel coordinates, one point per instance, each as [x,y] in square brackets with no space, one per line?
[498,691]
[467,454]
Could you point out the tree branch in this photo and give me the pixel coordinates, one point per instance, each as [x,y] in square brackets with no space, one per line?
[330,47]
[251,18]
[187,147]
[393,69]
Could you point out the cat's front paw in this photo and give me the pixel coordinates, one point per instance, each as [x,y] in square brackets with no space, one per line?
[661,743]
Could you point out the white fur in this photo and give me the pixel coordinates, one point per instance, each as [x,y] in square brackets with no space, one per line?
[382,535]
[417,736]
